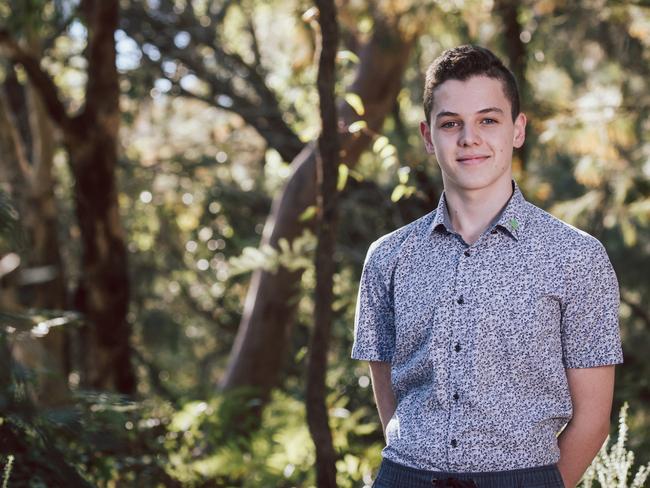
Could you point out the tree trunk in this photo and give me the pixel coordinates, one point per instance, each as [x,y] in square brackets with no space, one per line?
[508,11]
[258,352]
[103,294]
[327,175]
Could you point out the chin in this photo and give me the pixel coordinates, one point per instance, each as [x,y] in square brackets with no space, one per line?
[479,182]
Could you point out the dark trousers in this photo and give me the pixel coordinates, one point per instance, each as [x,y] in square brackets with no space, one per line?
[393,475]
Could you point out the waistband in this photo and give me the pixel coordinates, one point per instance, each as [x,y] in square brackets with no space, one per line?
[399,475]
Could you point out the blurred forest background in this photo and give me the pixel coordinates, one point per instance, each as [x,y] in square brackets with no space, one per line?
[158,216]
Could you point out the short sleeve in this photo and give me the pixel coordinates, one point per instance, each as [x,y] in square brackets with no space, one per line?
[374,328]
[590,329]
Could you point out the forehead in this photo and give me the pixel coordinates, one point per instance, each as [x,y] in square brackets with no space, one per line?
[470,95]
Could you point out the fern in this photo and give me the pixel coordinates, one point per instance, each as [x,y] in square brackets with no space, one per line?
[6,472]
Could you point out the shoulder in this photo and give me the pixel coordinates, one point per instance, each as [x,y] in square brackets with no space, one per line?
[556,233]
[386,250]
[580,256]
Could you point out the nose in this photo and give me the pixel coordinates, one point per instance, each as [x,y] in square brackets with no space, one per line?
[469,136]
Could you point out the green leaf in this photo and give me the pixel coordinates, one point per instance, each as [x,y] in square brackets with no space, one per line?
[344,171]
[355,102]
[388,151]
[403,174]
[629,232]
[398,193]
[357,126]
[346,55]
[389,162]
[309,213]
[285,247]
[379,144]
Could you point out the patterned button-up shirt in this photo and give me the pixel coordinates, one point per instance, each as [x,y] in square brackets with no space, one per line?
[479,336]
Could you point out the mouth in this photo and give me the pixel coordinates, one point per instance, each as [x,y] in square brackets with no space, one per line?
[472,159]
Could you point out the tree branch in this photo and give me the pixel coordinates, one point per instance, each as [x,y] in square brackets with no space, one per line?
[256,103]
[255,45]
[41,81]
[12,142]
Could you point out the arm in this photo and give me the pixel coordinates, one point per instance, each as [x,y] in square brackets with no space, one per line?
[383,389]
[591,393]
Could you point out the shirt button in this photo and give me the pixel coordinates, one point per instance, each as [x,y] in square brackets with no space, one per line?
[460,300]
[467,253]
[456,396]
[457,348]
[454,443]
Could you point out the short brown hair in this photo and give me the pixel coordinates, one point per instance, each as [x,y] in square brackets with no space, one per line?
[463,62]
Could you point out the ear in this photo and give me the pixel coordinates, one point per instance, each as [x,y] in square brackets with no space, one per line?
[425,132]
[519,130]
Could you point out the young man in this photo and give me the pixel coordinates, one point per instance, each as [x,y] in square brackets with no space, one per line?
[488,323]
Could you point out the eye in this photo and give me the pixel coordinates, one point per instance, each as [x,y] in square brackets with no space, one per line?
[489,121]
[449,125]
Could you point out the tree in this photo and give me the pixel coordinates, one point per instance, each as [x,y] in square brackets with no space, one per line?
[258,353]
[222,71]
[90,138]
[327,174]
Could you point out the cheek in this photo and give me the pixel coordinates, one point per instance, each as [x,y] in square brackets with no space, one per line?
[443,143]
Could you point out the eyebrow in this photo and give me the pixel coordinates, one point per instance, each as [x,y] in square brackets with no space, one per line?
[482,111]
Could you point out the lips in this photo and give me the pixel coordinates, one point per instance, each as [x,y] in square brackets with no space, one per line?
[472,159]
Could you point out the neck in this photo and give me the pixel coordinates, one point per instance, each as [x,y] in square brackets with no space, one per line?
[472,211]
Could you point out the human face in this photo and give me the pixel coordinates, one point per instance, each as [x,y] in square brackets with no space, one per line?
[473,135]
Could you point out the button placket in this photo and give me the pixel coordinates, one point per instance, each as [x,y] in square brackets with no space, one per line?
[461,310]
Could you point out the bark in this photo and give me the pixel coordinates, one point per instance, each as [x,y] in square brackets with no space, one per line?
[91,141]
[103,293]
[258,352]
[327,172]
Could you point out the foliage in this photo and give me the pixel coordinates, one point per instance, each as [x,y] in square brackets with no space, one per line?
[196,183]
[293,256]
[101,440]
[209,446]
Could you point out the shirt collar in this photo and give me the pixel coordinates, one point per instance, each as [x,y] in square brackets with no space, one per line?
[441,217]
[511,219]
